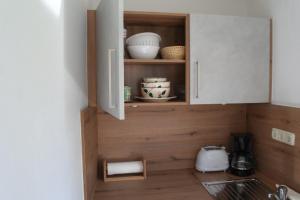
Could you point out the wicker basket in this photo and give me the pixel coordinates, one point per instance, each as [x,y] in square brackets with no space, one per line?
[173,52]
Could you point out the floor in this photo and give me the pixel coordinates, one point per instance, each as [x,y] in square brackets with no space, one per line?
[165,185]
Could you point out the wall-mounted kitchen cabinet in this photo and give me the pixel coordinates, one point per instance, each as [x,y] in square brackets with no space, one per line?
[226,58]
[230,59]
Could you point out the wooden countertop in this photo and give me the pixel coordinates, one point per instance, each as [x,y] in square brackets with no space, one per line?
[166,185]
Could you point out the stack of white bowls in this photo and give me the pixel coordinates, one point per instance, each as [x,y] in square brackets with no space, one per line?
[153,88]
[143,45]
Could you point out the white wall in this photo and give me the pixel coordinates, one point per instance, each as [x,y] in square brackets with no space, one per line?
[42,91]
[226,7]
[286,51]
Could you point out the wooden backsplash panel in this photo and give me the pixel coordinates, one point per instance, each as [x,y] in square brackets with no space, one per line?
[89,150]
[275,159]
[168,137]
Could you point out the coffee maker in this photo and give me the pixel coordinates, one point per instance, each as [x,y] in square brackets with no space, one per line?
[241,157]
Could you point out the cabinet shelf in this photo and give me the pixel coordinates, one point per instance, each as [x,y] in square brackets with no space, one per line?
[134,104]
[153,61]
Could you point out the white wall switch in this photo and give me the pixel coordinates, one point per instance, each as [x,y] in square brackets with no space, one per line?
[283,136]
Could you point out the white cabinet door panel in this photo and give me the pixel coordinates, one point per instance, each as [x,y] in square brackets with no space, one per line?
[233,59]
[110,58]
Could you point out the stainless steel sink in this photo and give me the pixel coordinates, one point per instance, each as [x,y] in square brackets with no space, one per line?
[245,189]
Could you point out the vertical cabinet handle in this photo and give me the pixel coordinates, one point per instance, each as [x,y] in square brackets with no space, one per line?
[197,79]
[110,51]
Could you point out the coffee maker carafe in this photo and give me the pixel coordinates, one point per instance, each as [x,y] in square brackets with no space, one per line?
[241,156]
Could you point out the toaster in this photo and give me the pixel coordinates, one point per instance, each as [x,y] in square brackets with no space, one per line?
[211,159]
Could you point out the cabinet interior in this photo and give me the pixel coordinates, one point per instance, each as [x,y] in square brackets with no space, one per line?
[173,30]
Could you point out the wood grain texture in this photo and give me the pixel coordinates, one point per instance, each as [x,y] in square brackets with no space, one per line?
[168,137]
[275,159]
[154,18]
[153,61]
[187,58]
[89,150]
[166,185]
[137,103]
[91,58]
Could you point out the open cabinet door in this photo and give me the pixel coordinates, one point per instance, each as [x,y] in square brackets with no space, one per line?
[110,59]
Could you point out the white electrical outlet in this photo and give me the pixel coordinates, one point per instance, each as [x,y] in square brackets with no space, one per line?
[283,136]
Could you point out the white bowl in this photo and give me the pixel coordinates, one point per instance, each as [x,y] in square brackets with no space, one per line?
[156,85]
[154,79]
[144,39]
[143,52]
[155,92]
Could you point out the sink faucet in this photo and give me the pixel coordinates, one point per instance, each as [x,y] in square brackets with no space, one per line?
[280,194]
